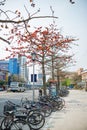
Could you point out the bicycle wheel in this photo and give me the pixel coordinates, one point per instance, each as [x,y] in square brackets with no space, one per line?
[38,126]
[60,100]
[54,105]
[20,125]
[47,110]
[36,120]
[5,123]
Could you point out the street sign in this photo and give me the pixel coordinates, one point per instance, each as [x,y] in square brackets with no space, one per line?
[35,78]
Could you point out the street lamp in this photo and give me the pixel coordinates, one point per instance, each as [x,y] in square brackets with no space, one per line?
[33,54]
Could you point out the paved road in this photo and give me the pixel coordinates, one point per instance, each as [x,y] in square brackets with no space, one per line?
[15,97]
[73,116]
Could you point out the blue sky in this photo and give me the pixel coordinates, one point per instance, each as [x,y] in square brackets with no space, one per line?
[72,19]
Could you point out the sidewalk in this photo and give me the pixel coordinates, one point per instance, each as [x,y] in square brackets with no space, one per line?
[73,116]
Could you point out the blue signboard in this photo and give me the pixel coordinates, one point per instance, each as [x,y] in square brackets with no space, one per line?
[35,78]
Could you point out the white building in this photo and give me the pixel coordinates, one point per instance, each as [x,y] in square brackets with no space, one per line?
[23,72]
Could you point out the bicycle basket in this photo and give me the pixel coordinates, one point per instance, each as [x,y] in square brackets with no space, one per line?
[8,107]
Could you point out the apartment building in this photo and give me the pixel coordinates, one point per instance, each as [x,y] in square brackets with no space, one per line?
[4,65]
[14,66]
[83,74]
[23,70]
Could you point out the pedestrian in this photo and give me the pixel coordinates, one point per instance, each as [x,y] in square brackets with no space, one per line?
[40,92]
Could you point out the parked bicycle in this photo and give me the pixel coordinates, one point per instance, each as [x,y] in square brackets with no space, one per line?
[32,117]
[12,122]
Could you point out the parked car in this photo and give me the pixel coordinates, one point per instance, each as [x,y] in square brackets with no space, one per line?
[17,87]
[1,88]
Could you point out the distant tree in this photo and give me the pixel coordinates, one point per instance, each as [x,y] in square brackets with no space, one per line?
[76,79]
[2,82]
[16,78]
[66,82]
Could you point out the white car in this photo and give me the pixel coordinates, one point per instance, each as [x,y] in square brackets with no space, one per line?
[17,87]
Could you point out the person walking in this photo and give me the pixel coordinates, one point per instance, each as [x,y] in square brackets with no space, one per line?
[40,92]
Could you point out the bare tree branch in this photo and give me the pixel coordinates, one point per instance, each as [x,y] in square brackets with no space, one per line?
[26,20]
[4,40]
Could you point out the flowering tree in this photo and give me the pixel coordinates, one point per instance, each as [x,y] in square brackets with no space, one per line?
[47,43]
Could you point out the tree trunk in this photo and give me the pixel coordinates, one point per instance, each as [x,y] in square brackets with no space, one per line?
[52,68]
[58,83]
[44,76]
